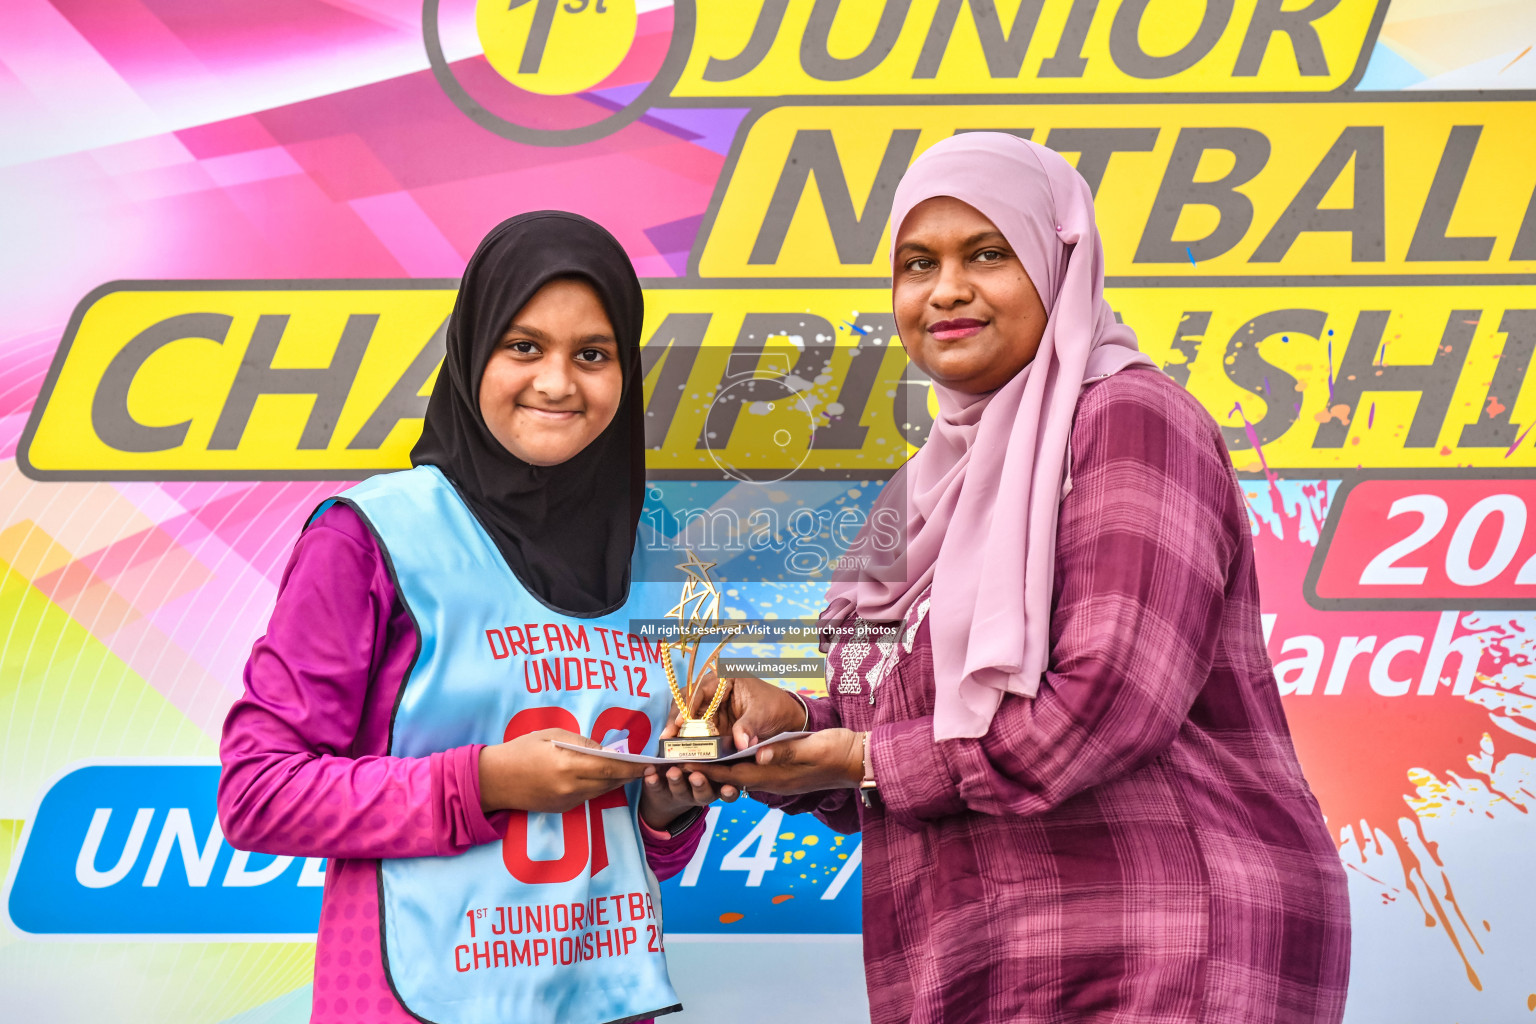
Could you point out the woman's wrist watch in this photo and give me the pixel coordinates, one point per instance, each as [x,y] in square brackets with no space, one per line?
[680,824]
[869,792]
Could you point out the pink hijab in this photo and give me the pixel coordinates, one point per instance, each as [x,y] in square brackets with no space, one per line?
[990,477]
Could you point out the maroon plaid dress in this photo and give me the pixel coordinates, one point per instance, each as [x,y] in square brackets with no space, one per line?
[1136,844]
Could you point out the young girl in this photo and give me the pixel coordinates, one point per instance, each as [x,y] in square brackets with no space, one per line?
[436,630]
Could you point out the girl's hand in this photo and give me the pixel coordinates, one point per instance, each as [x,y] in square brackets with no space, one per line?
[829,759]
[530,773]
[669,793]
[751,709]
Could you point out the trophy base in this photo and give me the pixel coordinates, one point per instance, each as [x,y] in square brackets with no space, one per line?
[693,748]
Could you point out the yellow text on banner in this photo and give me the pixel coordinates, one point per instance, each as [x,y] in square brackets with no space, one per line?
[1186,190]
[948,47]
[768,384]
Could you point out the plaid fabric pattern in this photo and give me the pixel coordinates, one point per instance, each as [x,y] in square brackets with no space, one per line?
[1136,844]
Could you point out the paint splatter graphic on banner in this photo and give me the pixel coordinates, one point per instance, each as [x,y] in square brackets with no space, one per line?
[1435,720]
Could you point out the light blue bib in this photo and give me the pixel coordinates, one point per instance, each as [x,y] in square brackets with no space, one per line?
[561,922]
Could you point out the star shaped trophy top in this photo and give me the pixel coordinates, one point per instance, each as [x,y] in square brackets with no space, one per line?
[698,616]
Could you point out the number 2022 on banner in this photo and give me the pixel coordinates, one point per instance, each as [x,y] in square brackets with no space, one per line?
[1429,543]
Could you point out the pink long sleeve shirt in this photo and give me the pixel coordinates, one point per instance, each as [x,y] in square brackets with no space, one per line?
[307,771]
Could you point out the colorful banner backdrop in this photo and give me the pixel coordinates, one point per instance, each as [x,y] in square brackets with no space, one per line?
[230,242]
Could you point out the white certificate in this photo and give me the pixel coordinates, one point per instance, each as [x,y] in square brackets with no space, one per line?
[615,755]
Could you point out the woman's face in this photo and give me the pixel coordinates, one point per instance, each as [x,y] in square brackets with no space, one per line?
[967,312]
[554,381]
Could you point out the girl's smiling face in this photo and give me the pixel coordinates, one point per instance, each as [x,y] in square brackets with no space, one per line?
[554,382]
[966,310]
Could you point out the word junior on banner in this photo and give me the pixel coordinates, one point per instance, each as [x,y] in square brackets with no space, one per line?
[605,926]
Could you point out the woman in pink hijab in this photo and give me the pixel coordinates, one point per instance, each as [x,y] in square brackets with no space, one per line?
[1078,795]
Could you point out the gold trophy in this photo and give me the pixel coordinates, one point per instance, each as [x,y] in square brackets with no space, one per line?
[698,616]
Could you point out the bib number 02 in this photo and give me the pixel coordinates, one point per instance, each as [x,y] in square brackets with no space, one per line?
[581,827]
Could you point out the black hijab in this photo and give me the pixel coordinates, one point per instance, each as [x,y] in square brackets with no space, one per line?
[566,531]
